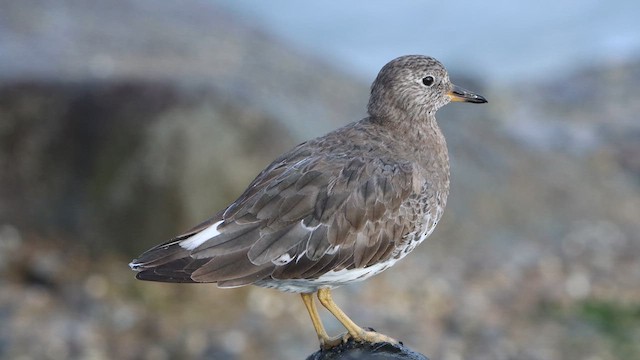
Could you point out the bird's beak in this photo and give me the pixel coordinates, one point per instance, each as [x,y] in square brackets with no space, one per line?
[459,94]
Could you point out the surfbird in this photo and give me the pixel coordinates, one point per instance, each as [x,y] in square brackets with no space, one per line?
[333,210]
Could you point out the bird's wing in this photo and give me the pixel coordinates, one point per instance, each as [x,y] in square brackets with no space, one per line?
[300,215]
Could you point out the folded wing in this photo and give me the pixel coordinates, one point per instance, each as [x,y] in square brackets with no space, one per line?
[302,215]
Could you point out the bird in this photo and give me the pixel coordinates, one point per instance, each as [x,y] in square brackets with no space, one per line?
[333,210]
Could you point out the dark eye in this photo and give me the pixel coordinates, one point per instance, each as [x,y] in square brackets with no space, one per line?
[428,81]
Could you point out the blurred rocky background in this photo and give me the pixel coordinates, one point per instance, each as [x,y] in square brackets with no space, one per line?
[123,123]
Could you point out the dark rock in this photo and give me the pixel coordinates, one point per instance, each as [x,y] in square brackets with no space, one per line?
[352,350]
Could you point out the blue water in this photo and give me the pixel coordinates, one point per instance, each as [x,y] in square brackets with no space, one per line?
[504,41]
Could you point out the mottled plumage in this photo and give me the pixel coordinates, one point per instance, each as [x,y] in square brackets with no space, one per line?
[335,209]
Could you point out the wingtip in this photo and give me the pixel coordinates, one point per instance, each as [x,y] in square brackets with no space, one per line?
[135,265]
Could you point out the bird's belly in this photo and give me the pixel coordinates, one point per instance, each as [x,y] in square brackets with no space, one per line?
[330,279]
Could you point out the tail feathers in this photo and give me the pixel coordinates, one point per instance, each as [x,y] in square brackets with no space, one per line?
[159,255]
[171,262]
[177,271]
[246,280]
[232,266]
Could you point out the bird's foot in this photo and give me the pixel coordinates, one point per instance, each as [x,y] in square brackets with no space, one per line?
[363,336]
[372,336]
[331,342]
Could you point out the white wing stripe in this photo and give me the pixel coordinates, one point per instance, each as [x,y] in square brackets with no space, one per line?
[199,238]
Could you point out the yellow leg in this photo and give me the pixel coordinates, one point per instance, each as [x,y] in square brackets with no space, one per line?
[325,340]
[355,331]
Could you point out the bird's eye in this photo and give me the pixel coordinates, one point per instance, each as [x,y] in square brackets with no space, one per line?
[428,81]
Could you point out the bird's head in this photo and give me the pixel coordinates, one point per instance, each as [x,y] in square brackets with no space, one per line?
[414,85]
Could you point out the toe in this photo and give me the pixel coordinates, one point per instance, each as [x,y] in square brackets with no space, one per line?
[376,337]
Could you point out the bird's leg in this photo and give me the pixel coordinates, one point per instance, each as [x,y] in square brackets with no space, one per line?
[325,340]
[355,331]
